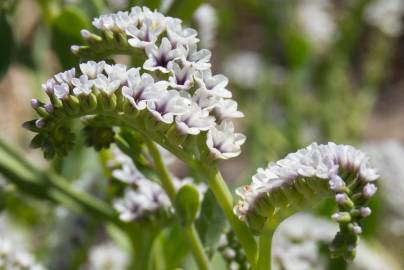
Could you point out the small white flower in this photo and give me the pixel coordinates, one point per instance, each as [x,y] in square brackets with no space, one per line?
[205,100]
[223,142]
[49,86]
[179,35]
[61,90]
[140,90]
[194,121]
[147,198]
[226,109]
[106,85]
[92,68]
[214,85]
[159,57]
[66,76]
[168,105]
[198,59]
[182,76]
[116,72]
[146,35]
[82,85]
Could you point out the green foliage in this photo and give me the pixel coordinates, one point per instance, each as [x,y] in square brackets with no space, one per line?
[66,31]
[7,44]
[187,204]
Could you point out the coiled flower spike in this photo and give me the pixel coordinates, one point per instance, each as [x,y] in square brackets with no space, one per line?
[286,186]
[173,98]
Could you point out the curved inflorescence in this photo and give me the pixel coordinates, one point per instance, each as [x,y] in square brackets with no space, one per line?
[314,171]
[174,91]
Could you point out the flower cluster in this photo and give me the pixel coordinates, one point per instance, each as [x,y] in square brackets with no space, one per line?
[174,87]
[147,197]
[16,259]
[14,249]
[340,170]
[298,244]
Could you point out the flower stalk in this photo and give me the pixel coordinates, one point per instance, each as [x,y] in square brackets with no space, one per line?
[190,231]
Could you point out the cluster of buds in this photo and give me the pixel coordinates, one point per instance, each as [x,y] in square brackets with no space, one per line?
[305,176]
[232,252]
[143,198]
[174,93]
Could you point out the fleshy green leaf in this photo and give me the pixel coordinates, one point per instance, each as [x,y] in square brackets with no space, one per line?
[187,204]
[211,222]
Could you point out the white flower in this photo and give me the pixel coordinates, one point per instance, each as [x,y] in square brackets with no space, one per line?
[49,86]
[92,68]
[386,15]
[337,167]
[179,35]
[107,256]
[82,85]
[106,84]
[116,72]
[198,59]
[194,121]
[226,109]
[146,199]
[159,57]
[168,105]
[66,76]
[214,85]
[146,35]
[223,142]
[182,76]
[206,19]
[140,90]
[61,90]
[244,68]
[317,22]
[205,100]
[116,22]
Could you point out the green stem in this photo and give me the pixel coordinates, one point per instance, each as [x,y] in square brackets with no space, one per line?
[225,199]
[44,185]
[167,183]
[196,247]
[264,258]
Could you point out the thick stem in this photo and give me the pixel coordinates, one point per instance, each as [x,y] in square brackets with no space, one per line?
[225,199]
[264,258]
[190,231]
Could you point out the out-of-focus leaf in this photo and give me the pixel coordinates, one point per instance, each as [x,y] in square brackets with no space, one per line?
[184,9]
[66,32]
[170,249]
[187,204]
[297,50]
[6,45]
[152,4]
[211,222]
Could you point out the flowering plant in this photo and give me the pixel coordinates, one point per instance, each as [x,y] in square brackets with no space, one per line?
[166,103]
